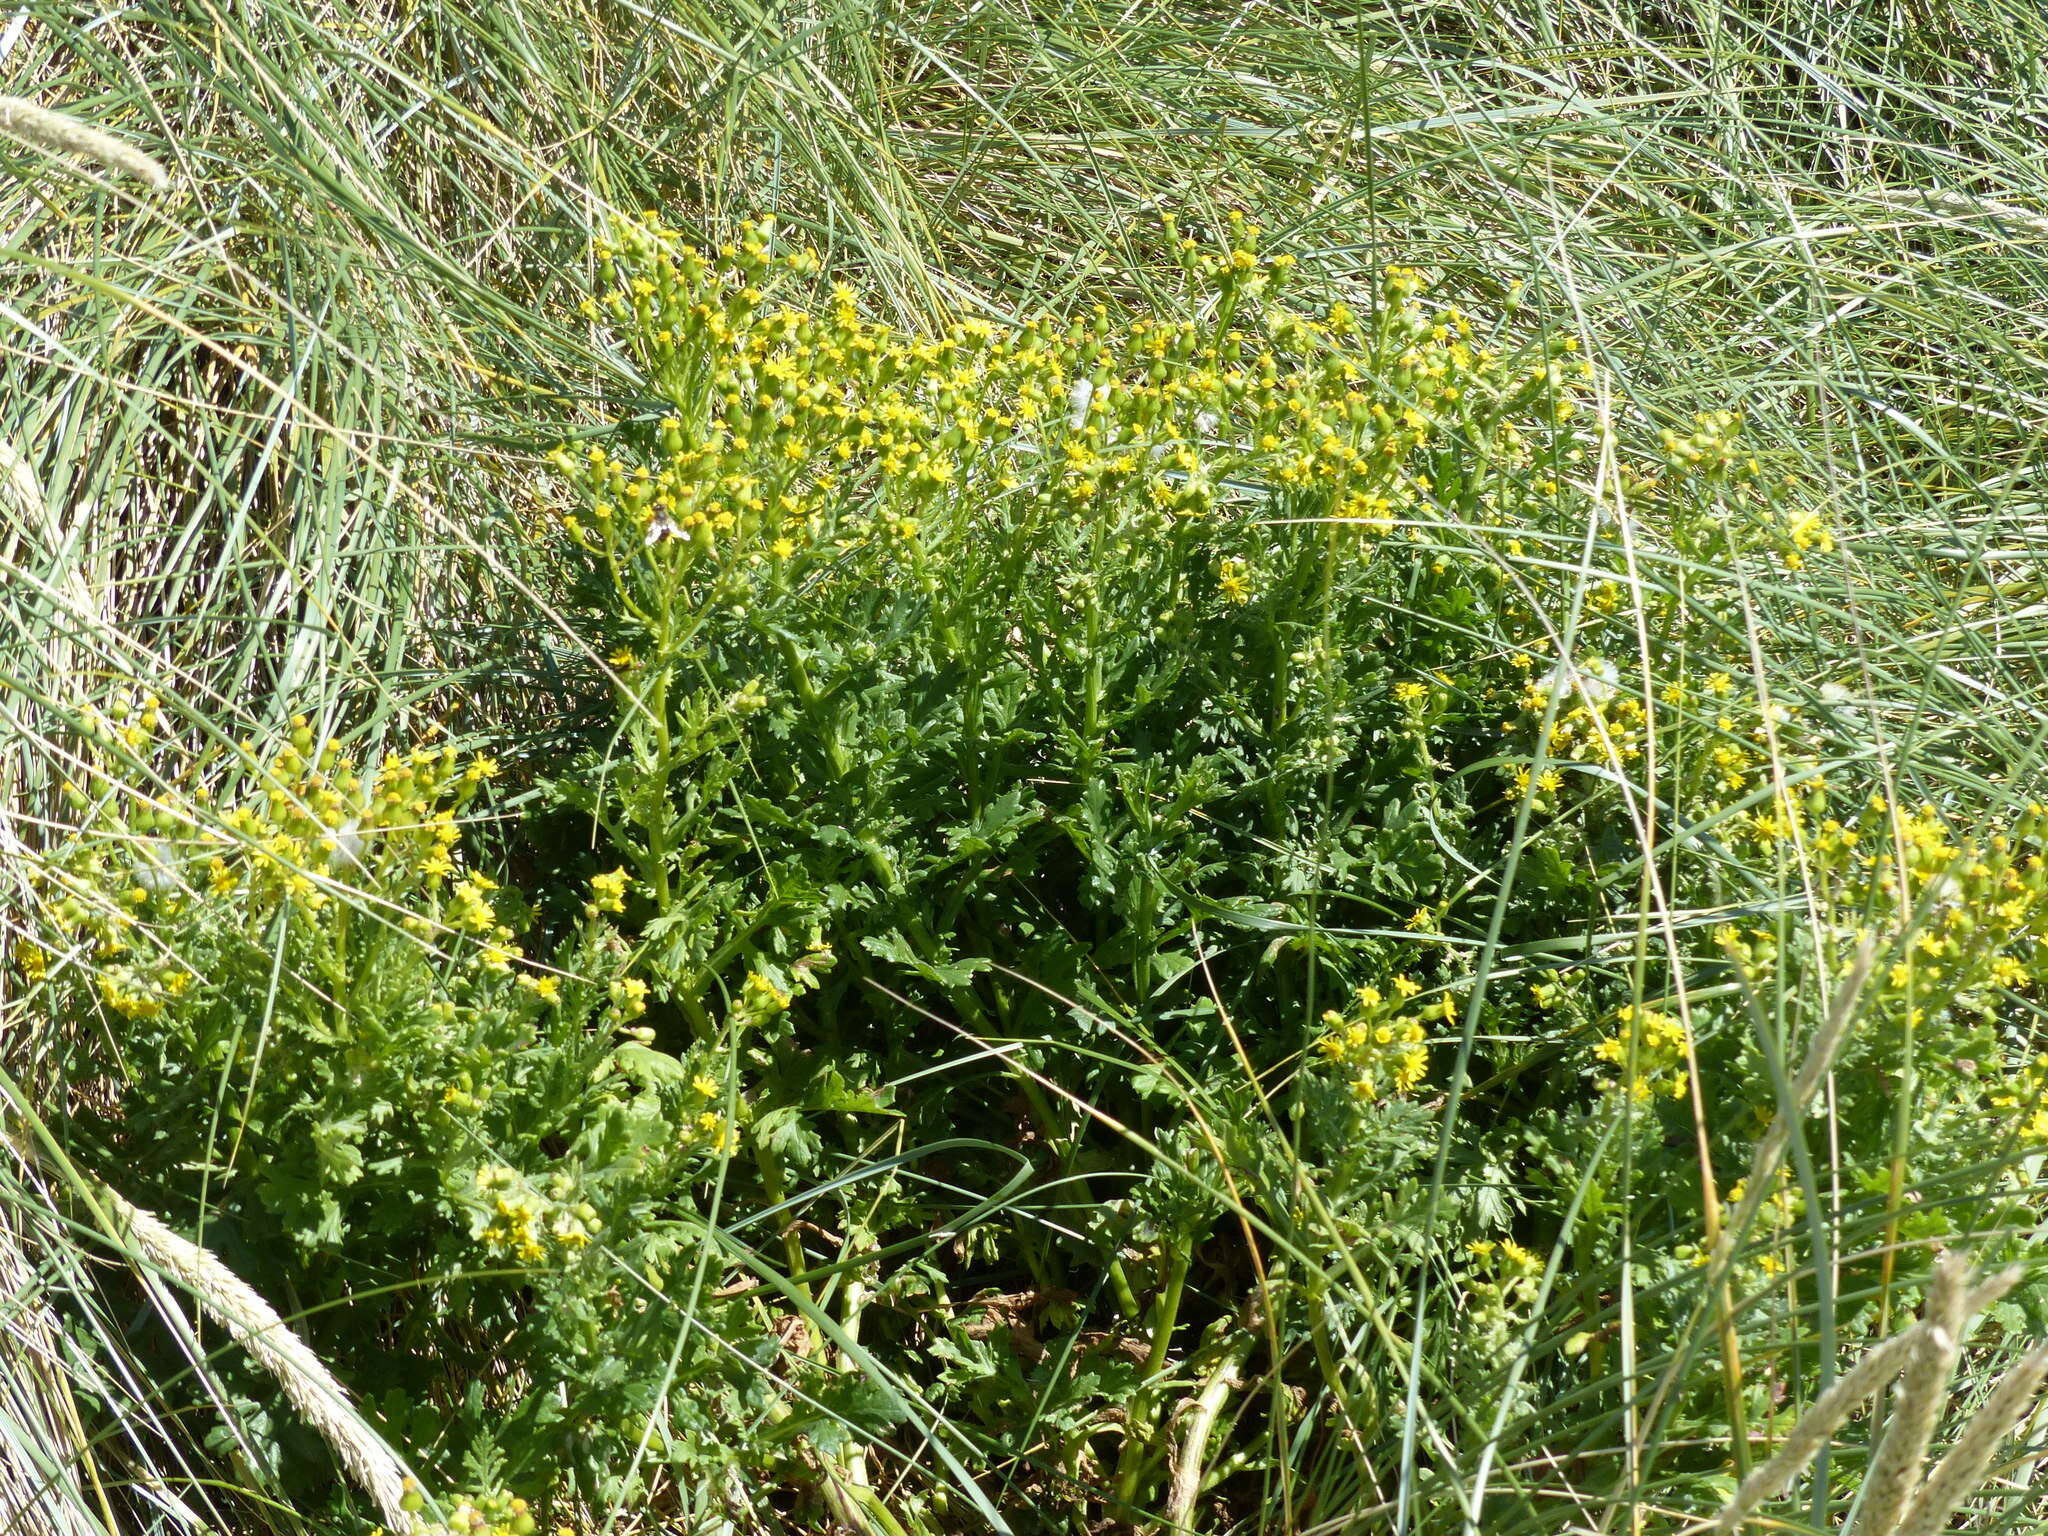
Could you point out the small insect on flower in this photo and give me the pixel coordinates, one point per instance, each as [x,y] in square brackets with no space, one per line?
[347,851]
[1079,398]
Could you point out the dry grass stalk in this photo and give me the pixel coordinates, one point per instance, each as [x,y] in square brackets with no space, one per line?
[1897,1502]
[1962,1469]
[257,1328]
[1955,205]
[1866,1377]
[1917,1405]
[59,134]
[19,485]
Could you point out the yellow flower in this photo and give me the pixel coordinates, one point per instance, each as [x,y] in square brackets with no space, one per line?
[763,995]
[608,891]
[1234,582]
[30,959]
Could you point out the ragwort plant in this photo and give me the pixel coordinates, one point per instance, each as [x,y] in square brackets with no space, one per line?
[1128,694]
[1922,337]
[1162,702]
[983,657]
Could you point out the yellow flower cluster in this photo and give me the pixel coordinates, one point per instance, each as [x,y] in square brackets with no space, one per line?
[1501,1284]
[1596,720]
[30,958]
[1711,449]
[1506,1257]
[1805,532]
[777,411]
[1383,1050]
[307,824]
[2026,1096]
[314,819]
[1719,743]
[1777,1215]
[608,891]
[489,1514]
[629,997]
[526,1223]
[1647,1052]
[762,997]
[707,1130]
[130,720]
[142,991]
[1745,512]
[1966,919]
[1234,581]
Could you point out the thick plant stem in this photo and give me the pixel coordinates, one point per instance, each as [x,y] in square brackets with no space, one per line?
[1144,1412]
[854,1459]
[1186,1484]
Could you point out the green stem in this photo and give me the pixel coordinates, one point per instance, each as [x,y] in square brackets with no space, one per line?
[807,695]
[776,1187]
[1140,1432]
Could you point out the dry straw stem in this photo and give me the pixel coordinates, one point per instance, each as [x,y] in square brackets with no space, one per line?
[38,1421]
[1918,1403]
[19,486]
[60,134]
[1201,1417]
[1954,205]
[258,1329]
